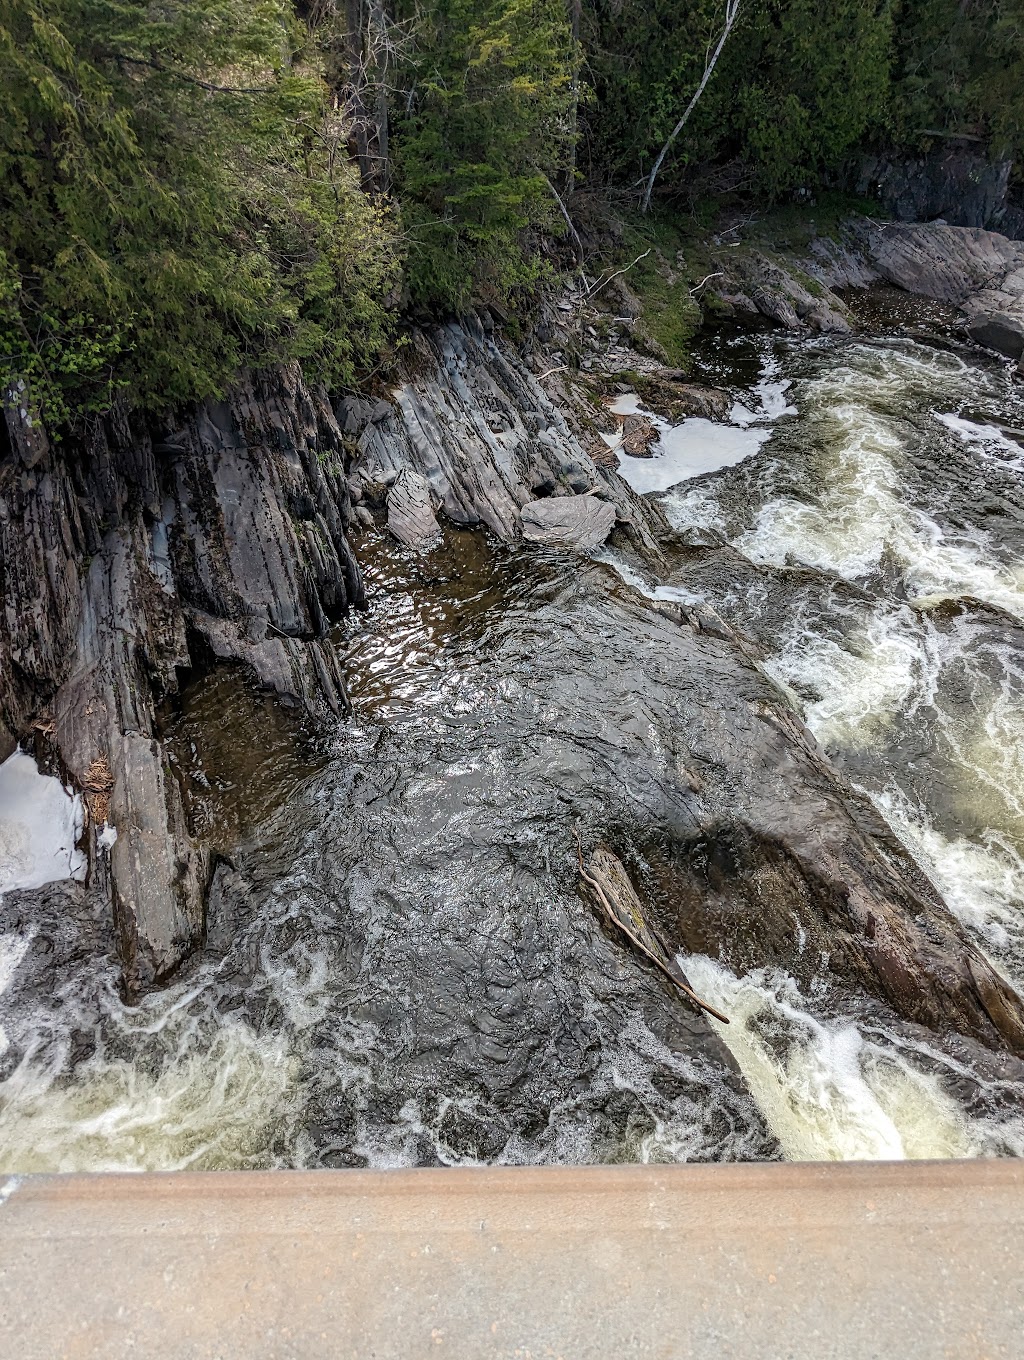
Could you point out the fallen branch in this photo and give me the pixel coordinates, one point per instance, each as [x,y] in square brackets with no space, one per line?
[568,220]
[604,284]
[707,277]
[658,963]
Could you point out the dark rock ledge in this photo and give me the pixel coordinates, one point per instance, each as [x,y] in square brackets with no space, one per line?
[132,558]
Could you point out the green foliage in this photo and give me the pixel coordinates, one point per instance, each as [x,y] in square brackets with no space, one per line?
[174,204]
[811,80]
[960,69]
[798,84]
[487,125]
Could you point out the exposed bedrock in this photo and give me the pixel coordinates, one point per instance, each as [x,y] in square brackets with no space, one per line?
[135,556]
[769,857]
[958,183]
[979,272]
[130,558]
[487,440]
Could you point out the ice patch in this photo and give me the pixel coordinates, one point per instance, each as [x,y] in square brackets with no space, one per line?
[40,822]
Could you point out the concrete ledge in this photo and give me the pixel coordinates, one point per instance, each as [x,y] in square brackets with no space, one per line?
[901,1261]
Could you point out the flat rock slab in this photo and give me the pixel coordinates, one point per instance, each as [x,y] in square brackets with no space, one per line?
[753,1261]
[578,522]
[999,331]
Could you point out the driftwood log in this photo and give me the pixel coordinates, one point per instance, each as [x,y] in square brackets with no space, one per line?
[606,884]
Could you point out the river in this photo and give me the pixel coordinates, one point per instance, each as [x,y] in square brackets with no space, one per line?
[399,968]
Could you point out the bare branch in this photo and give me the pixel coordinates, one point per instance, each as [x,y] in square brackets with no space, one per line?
[189,80]
[568,220]
[605,282]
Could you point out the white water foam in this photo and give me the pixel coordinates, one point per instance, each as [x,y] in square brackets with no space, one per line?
[831,1091]
[698,446]
[40,823]
[861,514]
[675,594]
[985,439]
[887,675]
[981,883]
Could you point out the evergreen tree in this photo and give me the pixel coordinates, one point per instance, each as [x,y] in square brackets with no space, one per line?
[175,204]
[484,128]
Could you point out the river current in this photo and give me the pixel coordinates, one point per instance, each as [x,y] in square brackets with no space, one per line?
[399,968]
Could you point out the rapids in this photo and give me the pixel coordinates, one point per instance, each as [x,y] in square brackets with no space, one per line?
[399,969]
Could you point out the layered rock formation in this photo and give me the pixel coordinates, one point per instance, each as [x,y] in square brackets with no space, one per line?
[133,557]
[979,272]
[484,438]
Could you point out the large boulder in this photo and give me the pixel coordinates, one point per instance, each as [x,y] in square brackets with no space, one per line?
[411,515]
[577,522]
[1000,331]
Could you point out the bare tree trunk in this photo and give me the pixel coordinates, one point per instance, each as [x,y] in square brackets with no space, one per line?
[575,15]
[732,9]
[356,86]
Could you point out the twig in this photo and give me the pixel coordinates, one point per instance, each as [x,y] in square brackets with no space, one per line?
[614,919]
[560,369]
[598,286]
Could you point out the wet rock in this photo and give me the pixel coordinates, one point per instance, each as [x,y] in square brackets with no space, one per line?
[999,331]
[411,512]
[577,522]
[134,556]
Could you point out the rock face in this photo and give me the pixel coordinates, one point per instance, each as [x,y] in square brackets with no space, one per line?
[962,186]
[486,439]
[139,556]
[135,557]
[979,271]
[577,522]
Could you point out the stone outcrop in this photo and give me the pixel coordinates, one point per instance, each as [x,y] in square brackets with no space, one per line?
[133,557]
[760,852]
[486,439]
[962,185]
[138,556]
[979,272]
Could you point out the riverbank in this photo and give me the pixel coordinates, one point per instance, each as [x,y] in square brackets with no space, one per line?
[512,696]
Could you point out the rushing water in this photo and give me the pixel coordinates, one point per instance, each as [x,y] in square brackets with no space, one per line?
[399,968]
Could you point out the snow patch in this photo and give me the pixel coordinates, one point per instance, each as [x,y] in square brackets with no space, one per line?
[40,822]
